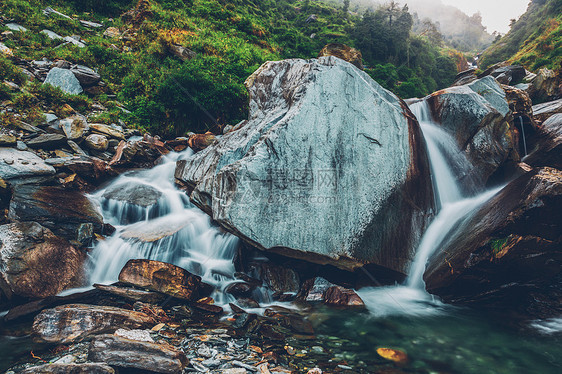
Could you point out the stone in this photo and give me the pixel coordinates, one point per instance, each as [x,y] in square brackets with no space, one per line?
[545,146]
[239,289]
[320,290]
[344,52]
[278,278]
[75,127]
[60,368]
[477,115]
[465,77]
[97,142]
[27,127]
[122,352]
[545,85]
[508,254]
[51,35]
[62,210]
[91,25]
[5,50]
[138,201]
[519,103]
[76,322]
[35,263]
[543,111]
[65,80]
[15,164]
[112,131]
[85,75]
[198,142]
[505,73]
[7,140]
[161,277]
[183,53]
[76,148]
[76,40]
[138,335]
[158,229]
[15,27]
[132,294]
[112,33]
[265,180]
[48,11]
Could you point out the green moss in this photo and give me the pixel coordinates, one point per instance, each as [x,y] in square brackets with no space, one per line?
[496,245]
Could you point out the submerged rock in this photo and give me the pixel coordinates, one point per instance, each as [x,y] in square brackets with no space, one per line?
[330,167]
[76,322]
[122,352]
[34,263]
[508,254]
[161,277]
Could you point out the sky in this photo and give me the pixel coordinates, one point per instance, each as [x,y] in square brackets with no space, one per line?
[495,13]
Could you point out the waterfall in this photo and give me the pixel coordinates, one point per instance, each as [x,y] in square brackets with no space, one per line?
[169,229]
[523,134]
[446,161]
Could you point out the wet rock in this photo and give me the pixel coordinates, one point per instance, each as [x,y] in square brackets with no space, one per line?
[279,279]
[122,352]
[270,175]
[207,308]
[465,77]
[65,80]
[112,131]
[46,141]
[75,127]
[57,368]
[505,73]
[543,111]
[16,164]
[35,263]
[132,294]
[136,194]
[97,142]
[239,289]
[76,148]
[519,102]
[75,322]
[198,142]
[477,115]
[546,145]
[344,52]
[7,140]
[155,230]
[67,212]
[545,85]
[161,277]
[85,75]
[320,290]
[507,255]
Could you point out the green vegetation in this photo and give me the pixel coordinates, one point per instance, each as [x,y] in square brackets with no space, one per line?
[169,95]
[534,40]
[497,245]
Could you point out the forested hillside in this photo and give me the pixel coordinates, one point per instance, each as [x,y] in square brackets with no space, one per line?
[179,65]
[534,40]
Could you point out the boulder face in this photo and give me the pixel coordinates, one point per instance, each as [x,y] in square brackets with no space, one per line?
[477,115]
[330,167]
[34,263]
[546,144]
[509,252]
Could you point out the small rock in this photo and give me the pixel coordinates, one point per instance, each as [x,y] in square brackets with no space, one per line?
[97,142]
[16,27]
[113,131]
[112,33]
[7,140]
[75,127]
[198,142]
[21,146]
[48,11]
[122,352]
[132,294]
[59,368]
[46,141]
[65,80]
[92,25]
[52,35]
[5,50]
[138,335]
[183,53]
[85,75]
[76,148]
[75,40]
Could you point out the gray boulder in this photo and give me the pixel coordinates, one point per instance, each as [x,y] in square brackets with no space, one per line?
[477,115]
[85,75]
[19,164]
[75,127]
[330,167]
[65,80]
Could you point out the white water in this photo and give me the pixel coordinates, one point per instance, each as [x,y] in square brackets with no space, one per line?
[174,231]
[444,156]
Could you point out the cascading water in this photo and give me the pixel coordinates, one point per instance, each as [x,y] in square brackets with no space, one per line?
[154,220]
[453,207]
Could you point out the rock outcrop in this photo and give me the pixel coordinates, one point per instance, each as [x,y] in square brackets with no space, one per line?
[509,252]
[344,52]
[545,146]
[330,167]
[34,263]
[478,116]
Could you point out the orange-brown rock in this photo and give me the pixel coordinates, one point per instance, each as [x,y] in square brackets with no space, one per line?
[340,296]
[75,322]
[519,103]
[161,277]
[344,52]
[198,142]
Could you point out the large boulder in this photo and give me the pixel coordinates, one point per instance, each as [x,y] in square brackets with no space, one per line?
[34,263]
[477,115]
[330,167]
[75,322]
[509,252]
[544,111]
[546,144]
[69,213]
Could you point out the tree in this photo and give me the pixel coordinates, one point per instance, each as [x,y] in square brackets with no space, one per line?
[345,7]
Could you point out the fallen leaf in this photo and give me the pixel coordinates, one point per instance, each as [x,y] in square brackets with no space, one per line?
[158,327]
[393,355]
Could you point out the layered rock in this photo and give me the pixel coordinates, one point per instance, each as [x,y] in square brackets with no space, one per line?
[545,146]
[478,116]
[76,322]
[330,167]
[16,164]
[34,263]
[509,252]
